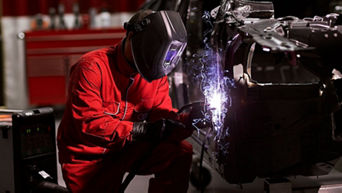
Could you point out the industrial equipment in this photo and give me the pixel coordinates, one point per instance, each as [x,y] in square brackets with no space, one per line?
[28,150]
[274,96]
[272,87]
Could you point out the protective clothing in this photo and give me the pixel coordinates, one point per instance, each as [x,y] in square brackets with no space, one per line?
[158,42]
[105,97]
[158,130]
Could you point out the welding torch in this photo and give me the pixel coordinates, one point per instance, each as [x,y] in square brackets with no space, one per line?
[197,113]
[193,111]
[200,117]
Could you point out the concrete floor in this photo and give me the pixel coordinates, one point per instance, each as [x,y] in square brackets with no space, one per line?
[331,183]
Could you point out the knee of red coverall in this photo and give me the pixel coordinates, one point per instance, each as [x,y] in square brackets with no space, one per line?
[175,177]
[93,177]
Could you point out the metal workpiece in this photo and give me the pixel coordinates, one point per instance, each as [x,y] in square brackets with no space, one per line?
[268,83]
[270,80]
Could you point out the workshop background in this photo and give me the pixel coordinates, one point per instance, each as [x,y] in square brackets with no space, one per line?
[41,39]
[19,16]
[24,15]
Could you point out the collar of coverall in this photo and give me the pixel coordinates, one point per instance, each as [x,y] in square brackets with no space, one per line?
[126,68]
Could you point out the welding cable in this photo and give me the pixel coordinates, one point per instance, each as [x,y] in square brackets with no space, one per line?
[186,108]
[139,162]
[50,187]
[203,148]
[165,126]
[136,168]
[201,165]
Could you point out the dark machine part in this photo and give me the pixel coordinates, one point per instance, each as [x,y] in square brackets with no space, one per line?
[338,86]
[41,182]
[181,6]
[338,114]
[200,176]
[29,152]
[284,100]
[304,8]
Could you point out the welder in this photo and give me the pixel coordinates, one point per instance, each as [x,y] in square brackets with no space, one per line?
[118,108]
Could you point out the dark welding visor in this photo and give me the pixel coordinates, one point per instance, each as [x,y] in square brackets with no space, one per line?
[158,42]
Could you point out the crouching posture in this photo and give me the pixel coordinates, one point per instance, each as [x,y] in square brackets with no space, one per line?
[119,111]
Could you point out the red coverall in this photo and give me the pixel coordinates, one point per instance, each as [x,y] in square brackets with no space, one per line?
[105,97]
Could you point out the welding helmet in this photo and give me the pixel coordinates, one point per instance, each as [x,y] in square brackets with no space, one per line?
[157,43]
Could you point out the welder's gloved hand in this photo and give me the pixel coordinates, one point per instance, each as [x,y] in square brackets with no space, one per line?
[193,115]
[163,129]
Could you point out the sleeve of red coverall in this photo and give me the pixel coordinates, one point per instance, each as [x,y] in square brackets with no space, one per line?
[97,128]
[162,106]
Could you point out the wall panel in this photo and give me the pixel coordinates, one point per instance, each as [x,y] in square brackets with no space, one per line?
[32,7]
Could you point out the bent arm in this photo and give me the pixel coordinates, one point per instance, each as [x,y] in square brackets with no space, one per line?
[96,127]
[162,106]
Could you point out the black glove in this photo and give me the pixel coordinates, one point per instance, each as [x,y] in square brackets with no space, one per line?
[163,129]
